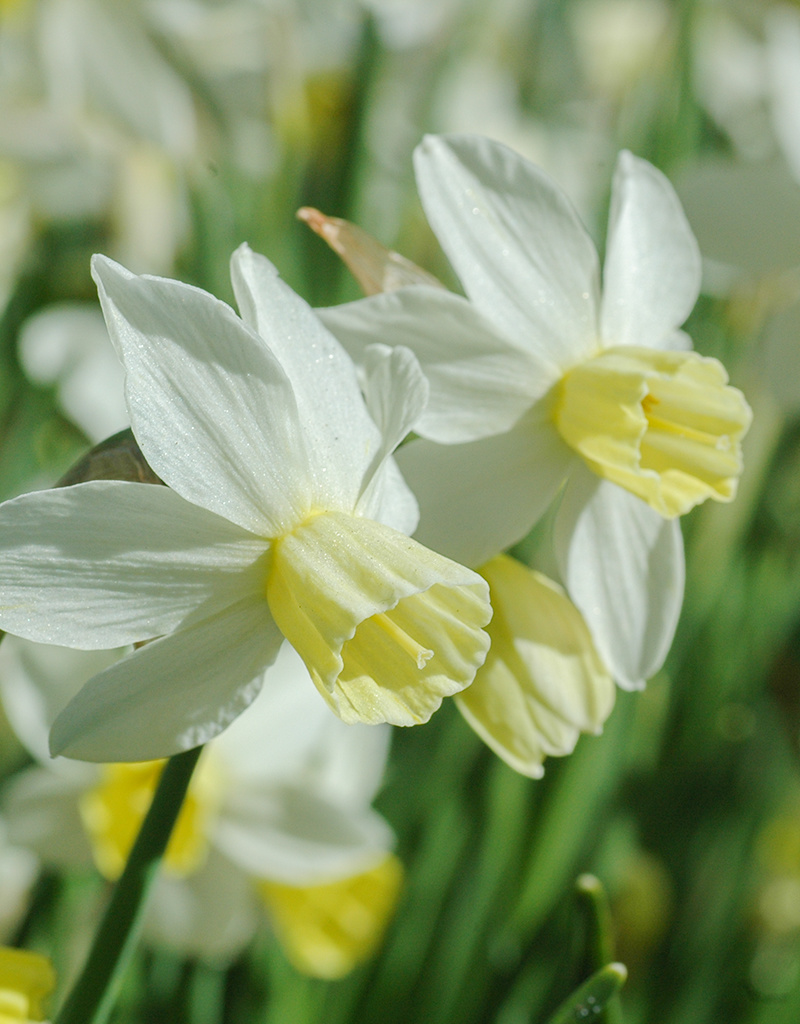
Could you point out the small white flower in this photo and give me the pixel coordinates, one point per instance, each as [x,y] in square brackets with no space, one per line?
[284,515]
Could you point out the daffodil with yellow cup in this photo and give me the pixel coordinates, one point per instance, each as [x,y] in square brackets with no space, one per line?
[284,516]
[541,380]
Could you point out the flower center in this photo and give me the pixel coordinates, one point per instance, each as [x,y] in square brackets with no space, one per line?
[385,627]
[26,979]
[113,811]
[664,425]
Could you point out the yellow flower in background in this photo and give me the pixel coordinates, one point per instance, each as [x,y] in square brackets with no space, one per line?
[26,980]
[113,810]
[328,929]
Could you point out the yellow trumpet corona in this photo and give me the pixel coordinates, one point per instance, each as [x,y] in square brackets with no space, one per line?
[665,425]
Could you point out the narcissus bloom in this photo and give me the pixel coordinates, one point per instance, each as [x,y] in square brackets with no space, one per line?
[543,683]
[284,516]
[277,811]
[537,379]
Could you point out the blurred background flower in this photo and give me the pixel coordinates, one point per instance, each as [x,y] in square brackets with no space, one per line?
[279,807]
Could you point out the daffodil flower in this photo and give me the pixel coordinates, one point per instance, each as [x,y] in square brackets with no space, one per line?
[537,380]
[284,516]
[277,814]
[543,683]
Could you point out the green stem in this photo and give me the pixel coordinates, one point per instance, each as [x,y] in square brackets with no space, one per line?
[94,993]
[592,997]
[599,939]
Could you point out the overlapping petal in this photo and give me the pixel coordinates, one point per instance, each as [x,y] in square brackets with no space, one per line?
[293,835]
[41,805]
[211,913]
[107,563]
[481,382]
[516,243]
[396,393]
[173,694]
[210,405]
[288,732]
[340,437]
[623,566]
[37,681]
[651,277]
[477,499]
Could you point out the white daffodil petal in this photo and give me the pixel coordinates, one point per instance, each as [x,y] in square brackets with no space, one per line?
[289,733]
[354,759]
[172,694]
[107,563]
[477,499]
[37,681]
[341,439]
[651,277]
[211,407]
[395,390]
[396,393]
[678,341]
[211,913]
[292,835]
[623,566]
[480,382]
[543,683]
[516,243]
[41,811]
